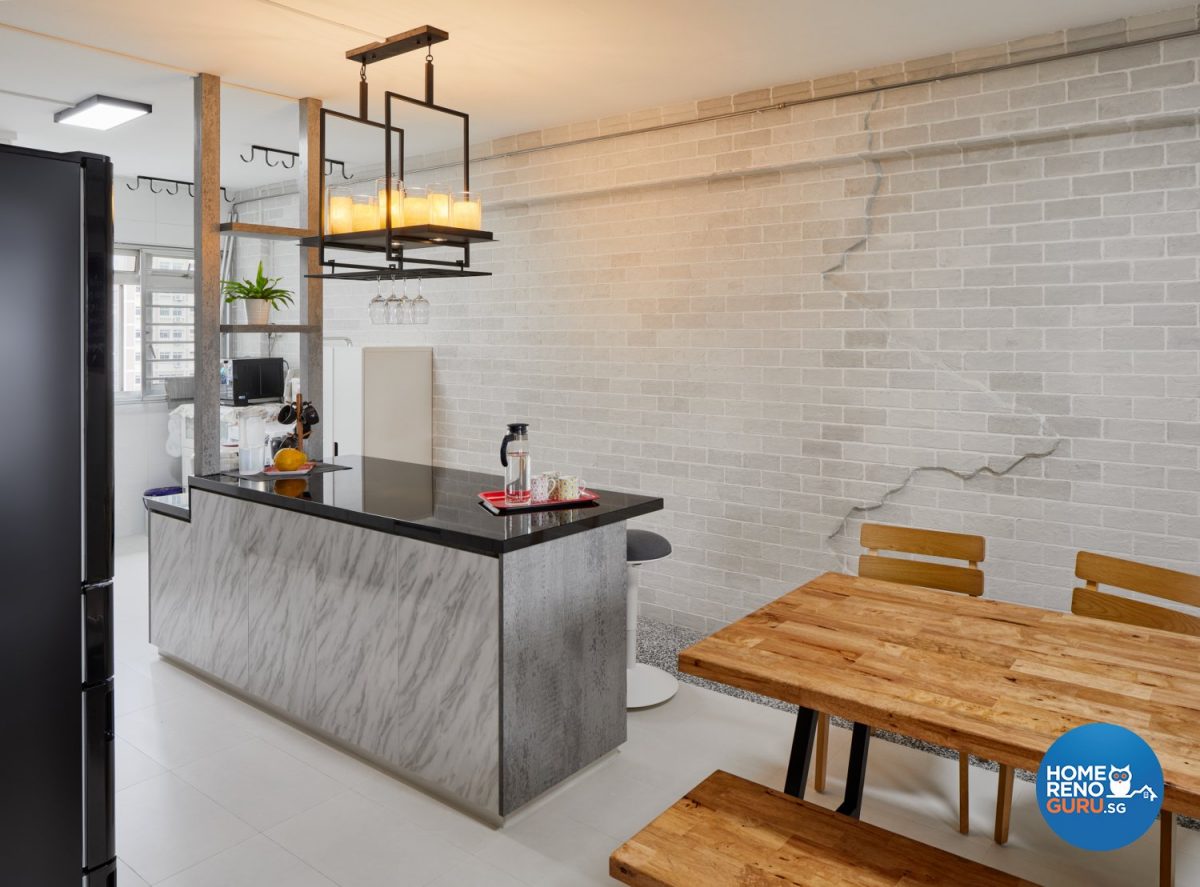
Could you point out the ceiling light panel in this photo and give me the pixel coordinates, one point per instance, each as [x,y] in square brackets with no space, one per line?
[102,112]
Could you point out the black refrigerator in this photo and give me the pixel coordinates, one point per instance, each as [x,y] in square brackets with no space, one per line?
[56,520]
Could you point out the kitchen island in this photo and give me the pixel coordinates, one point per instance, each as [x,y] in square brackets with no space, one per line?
[383,608]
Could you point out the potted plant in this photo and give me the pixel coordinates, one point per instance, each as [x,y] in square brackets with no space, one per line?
[259,295]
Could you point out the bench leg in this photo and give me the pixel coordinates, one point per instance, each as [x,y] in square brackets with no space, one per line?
[821,752]
[802,742]
[964,792]
[1166,856]
[1004,798]
[856,776]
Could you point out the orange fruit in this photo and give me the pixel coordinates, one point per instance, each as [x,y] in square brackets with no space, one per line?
[289,459]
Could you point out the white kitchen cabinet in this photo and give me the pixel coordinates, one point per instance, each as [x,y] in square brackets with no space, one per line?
[379,402]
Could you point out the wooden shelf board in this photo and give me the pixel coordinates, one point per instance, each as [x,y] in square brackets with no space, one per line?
[266,232]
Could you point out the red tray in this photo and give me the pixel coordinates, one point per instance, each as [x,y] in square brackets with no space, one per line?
[494,501]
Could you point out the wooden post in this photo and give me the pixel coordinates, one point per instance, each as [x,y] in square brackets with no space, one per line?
[311,292]
[207,238]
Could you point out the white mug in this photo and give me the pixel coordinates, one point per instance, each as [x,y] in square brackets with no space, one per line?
[571,487]
[541,487]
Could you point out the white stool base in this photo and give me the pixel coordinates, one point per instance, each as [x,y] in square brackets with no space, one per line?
[646,685]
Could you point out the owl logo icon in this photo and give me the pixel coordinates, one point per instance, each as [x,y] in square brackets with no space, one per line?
[1120,785]
[1119,782]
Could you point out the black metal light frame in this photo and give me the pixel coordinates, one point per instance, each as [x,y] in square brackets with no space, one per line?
[392,241]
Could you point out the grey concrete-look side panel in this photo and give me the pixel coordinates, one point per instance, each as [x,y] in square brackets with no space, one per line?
[564,659]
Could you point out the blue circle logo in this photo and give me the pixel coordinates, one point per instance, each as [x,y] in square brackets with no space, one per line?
[1100,787]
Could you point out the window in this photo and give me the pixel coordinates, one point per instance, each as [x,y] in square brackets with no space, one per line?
[153,311]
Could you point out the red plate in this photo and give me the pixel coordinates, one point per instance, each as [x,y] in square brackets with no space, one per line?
[299,472]
[494,500]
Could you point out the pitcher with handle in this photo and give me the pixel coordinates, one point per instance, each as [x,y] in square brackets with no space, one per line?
[514,456]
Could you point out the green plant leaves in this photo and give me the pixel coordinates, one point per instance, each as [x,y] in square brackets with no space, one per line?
[262,288]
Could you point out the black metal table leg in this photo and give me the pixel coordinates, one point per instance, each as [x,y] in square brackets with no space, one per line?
[856,775]
[802,743]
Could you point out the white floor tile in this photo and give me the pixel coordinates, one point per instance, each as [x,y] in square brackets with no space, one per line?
[127,877]
[259,783]
[259,862]
[550,848]
[358,843]
[419,810]
[473,872]
[165,826]
[132,766]
[173,738]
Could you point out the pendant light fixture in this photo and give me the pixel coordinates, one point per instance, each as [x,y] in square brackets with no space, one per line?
[397,221]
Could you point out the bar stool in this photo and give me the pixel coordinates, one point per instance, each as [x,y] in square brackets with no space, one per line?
[645,685]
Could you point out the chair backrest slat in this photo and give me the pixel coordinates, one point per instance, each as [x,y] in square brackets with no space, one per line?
[1171,585]
[945,577]
[1100,569]
[1098,605]
[932,543]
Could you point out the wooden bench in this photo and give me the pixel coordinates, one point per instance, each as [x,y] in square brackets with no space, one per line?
[729,831]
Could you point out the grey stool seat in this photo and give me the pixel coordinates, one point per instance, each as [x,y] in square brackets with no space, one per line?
[642,546]
[645,685]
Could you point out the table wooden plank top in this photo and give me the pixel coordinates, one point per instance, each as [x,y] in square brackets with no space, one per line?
[996,679]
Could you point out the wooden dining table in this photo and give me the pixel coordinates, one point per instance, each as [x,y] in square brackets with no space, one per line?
[999,680]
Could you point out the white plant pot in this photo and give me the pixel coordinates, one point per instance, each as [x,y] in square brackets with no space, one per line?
[258,311]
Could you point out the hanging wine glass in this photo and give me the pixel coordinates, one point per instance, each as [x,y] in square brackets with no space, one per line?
[393,305]
[406,306]
[377,309]
[420,307]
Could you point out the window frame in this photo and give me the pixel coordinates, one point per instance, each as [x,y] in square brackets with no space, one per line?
[151,281]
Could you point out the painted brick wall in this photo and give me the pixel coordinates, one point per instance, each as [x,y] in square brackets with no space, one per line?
[974,301]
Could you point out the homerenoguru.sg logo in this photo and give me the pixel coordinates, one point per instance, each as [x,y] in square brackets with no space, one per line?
[1100,787]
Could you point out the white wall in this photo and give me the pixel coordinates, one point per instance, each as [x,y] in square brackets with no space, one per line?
[140,461]
[773,320]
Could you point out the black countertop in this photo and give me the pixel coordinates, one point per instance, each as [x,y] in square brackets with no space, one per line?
[439,505]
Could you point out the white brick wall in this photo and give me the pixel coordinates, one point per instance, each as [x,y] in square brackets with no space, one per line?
[673,314]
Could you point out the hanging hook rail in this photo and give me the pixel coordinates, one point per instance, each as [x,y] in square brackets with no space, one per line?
[287,160]
[167,184]
[267,152]
[331,163]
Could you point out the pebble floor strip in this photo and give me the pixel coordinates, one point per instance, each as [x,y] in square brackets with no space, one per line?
[659,644]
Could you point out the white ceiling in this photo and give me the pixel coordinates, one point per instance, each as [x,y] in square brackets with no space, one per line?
[515,66]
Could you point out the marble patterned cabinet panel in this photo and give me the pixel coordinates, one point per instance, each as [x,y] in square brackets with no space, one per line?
[449,657]
[219,528]
[173,601]
[386,643]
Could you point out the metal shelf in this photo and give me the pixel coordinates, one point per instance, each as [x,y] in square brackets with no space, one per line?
[265,232]
[401,274]
[408,237]
[268,327]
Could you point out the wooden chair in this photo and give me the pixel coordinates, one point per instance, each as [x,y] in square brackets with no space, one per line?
[1182,588]
[943,577]
[728,830]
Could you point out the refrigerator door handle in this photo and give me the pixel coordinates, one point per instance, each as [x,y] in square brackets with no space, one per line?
[97,633]
[99,735]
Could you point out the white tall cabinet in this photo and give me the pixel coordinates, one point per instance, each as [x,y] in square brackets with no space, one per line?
[379,402]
